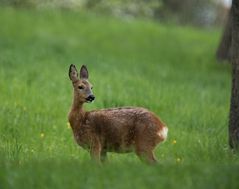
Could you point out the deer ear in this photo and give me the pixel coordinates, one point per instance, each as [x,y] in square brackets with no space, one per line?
[73,73]
[84,72]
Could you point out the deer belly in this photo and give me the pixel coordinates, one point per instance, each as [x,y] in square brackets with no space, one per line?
[123,144]
[119,148]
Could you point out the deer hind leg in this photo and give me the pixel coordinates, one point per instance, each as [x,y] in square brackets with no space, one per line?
[145,144]
[146,156]
[144,151]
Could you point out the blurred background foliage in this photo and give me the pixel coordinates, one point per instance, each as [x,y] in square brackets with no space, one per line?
[190,12]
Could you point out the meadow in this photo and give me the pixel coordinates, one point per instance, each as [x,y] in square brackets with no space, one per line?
[168,69]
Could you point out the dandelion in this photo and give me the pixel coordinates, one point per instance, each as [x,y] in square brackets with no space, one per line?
[178,160]
[42,135]
[68,125]
[174,142]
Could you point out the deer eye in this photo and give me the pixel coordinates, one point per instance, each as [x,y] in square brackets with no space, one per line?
[91,88]
[80,87]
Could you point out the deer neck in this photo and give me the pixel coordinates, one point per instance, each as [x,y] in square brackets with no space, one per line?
[77,105]
[77,113]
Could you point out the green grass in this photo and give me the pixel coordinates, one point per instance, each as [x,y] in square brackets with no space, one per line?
[168,69]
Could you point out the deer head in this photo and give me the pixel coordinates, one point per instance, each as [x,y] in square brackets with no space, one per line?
[82,87]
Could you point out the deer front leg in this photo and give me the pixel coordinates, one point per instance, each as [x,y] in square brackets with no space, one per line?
[95,150]
[103,155]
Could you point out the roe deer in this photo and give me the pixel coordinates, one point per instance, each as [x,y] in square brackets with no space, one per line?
[119,130]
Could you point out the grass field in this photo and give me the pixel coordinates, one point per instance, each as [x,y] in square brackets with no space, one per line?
[168,69]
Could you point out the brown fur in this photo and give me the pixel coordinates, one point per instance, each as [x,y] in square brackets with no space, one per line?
[118,130]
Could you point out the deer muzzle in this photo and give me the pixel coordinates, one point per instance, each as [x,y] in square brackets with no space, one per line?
[90,98]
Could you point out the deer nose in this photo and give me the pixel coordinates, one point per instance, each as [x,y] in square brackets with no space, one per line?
[90,98]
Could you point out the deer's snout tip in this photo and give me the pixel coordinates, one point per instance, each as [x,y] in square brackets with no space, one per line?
[90,98]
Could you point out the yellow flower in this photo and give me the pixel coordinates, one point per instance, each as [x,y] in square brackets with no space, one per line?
[68,125]
[174,142]
[178,160]
[42,135]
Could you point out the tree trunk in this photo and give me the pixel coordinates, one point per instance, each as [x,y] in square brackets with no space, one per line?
[234,109]
[224,51]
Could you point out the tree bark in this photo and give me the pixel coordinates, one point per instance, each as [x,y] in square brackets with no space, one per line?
[234,109]
[224,51]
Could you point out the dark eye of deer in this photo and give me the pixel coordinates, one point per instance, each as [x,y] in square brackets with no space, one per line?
[91,88]
[80,87]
